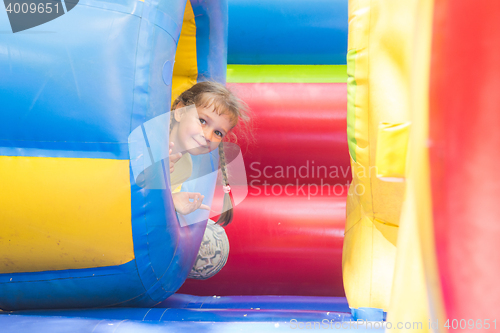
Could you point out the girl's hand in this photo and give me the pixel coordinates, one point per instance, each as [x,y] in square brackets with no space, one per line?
[173,158]
[183,204]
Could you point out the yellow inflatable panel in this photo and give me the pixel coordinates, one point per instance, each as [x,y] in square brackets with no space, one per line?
[416,277]
[75,213]
[379,72]
[186,64]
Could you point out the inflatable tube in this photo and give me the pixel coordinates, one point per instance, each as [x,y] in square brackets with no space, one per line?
[299,115]
[464,122]
[282,245]
[296,126]
[287,235]
[77,231]
[281,32]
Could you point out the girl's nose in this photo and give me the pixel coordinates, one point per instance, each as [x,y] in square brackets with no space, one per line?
[207,135]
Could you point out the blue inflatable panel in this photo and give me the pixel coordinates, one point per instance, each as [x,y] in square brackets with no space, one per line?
[98,64]
[201,314]
[212,315]
[181,307]
[84,62]
[308,32]
[78,86]
[29,324]
[336,304]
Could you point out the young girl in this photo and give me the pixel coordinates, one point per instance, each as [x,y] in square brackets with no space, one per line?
[218,111]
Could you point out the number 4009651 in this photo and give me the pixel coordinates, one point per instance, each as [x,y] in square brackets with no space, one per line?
[32,8]
[471,324]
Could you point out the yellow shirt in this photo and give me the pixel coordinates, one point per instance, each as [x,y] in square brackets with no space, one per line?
[182,171]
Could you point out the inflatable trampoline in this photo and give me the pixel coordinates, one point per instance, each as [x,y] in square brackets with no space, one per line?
[364,200]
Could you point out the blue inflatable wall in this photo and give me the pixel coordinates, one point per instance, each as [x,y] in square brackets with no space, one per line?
[77,231]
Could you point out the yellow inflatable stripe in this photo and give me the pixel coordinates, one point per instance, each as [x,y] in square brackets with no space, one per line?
[286,73]
[75,213]
[186,64]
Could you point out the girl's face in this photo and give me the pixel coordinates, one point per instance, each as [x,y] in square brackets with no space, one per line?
[201,129]
[215,126]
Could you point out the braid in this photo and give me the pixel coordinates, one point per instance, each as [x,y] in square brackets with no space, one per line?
[227,207]
[171,121]
[222,161]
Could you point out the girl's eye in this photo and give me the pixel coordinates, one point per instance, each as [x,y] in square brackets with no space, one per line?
[219,134]
[202,121]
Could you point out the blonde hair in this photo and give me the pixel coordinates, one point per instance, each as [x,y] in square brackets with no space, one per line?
[208,93]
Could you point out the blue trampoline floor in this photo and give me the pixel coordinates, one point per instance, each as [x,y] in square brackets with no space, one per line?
[184,313]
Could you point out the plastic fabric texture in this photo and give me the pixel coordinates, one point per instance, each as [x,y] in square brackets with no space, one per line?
[378,92]
[76,89]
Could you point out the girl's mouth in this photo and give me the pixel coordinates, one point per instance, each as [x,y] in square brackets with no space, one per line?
[200,145]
